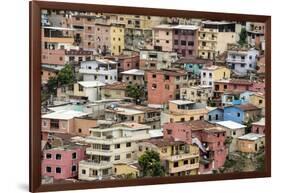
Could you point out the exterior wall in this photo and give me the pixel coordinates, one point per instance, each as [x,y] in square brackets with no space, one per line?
[163,38]
[190,38]
[65,163]
[225,38]
[65,126]
[200,114]
[242,61]
[117,40]
[207,43]
[112,93]
[247,146]
[177,131]
[93,93]
[258,87]
[160,95]
[102,39]
[46,75]
[133,79]
[260,129]
[234,114]
[152,59]
[215,115]
[258,101]
[81,126]
[197,94]
[234,135]
[209,76]
[124,169]
[224,86]
[53,56]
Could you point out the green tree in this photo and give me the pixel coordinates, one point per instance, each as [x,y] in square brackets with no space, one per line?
[243,37]
[66,75]
[135,91]
[150,164]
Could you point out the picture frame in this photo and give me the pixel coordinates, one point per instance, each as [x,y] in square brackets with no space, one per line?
[35,154]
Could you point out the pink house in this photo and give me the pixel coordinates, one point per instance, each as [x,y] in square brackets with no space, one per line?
[177,131]
[258,87]
[258,127]
[62,163]
[209,137]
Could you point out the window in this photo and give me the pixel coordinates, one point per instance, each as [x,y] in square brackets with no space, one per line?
[61,58]
[167,86]
[176,31]
[83,171]
[74,168]
[58,156]
[191,43]
[117,157]
[176,164]
[48,169]
[242,65]
[154,86]
[106,77]
[238,114]
[80,88]
[117,146]
[204,74]
[49,156]
[225,86]
[183,43]
[58,170]
[217,117]
[176,42]
[210,117]
[260,101]
[74,155]
[167,33]
[128,144]
[167,41]
[210,75]
[191,118]
[169,131]
[185,162]
[54,123]
[201,117]
[128,156]
[153,75]
[182,119]
[192,161]
[79,130]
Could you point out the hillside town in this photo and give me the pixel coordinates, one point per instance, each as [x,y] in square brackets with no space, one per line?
[133,96]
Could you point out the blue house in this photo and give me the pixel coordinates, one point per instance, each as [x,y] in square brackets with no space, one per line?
[191,65]
[215,114]
[241,113]
[235,98]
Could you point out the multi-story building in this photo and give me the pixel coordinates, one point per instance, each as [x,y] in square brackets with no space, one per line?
[90,90]
[164,85]
[49,71]
[185,40]
[62,162]
[177,157]
[102,38]
[259,126]
[102,70]
[75,56]
[163,37]
[258,99]
[209,138]
[210,74]
[256,33]
[133,77]
[117,39]
[251,143]
[207,43]
[116,90]
[234,130]
[136,113]
[242,113]
[198,94]
[183,110]
[242,61]
[108,146]
[155,59]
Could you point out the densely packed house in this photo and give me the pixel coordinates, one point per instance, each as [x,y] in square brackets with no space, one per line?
[121,89]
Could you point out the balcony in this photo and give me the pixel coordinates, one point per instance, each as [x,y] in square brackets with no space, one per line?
[91,151]
[212,48]
[233,60]
[182,156]
[95,165]
[184,168]
[208,38]
[97,71]
[109,141]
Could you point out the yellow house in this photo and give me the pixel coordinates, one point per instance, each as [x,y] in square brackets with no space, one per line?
[209,74]
[123,170]
[117,39]
[207,42]
[258,100]
[183,110]
[251,142]
[178,158]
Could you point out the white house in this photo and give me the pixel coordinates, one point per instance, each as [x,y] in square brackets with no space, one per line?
[242,61]
[89,89]
[102,70]
[108,146]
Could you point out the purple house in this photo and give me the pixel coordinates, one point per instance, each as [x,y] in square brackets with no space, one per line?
[62,162]
[185,40]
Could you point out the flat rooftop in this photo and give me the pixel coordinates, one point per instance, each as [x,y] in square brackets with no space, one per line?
[251,136]
[134,72]
[181,102]
[64,114]
[231,125]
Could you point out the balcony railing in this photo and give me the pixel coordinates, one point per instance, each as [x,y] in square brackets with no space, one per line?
[184,168]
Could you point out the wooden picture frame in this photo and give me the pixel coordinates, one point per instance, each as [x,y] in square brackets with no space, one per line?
[35,102]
